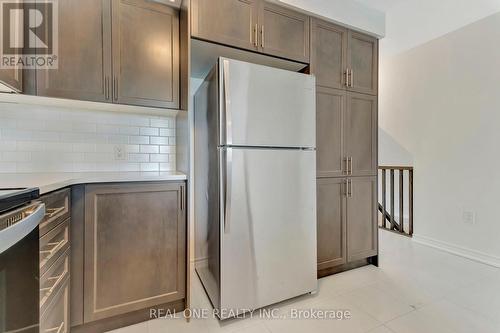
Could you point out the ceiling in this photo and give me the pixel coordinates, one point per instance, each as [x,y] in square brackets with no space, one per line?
[380,5]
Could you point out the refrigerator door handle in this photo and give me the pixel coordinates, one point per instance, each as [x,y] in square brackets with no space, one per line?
[228,189]
[227,102]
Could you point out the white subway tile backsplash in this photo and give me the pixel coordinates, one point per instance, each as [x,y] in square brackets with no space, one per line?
[16,135]
[159,158]
[151,131]
[108,129]
[139,140]
[54,139]
[160,123]
[167,149]
[158,140]
[7,167]
[139,158]
[8,145]
[84,147]
[15,156]
[149,149]
[167,167]
[167,132]
[45,136]
[8,123]
[129,130]
[120,139]
[150,167]
[58,146]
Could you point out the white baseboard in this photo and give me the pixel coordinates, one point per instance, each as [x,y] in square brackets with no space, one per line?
[458,250]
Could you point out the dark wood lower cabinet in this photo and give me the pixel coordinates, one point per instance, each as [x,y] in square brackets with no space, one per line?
[361,210]
[331,229]
[129,253]
[134,247]
[347,227]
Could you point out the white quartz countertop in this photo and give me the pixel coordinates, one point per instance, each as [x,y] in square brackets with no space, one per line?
[48,182]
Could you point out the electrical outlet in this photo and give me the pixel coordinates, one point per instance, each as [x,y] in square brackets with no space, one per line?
[469,217]
[120,153]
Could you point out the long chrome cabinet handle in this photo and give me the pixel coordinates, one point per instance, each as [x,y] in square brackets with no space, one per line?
[352,78]
[256,35]
[227,192]
[262,37]
[346,188]
[115,88]
[349,165]
[350,188]
[106,88]
[347,77]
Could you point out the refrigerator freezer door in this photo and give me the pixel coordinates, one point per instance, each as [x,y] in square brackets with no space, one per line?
[268,231]
[265,106]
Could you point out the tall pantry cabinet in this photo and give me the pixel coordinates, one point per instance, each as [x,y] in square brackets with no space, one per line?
[345,64]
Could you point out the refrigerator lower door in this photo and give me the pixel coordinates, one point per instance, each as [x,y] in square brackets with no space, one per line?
[265,106]
[268,227]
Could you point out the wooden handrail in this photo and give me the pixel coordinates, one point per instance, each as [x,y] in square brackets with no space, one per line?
[396,226]
[401,167]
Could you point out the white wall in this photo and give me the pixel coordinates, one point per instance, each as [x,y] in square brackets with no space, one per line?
[441,102]
[414,22]
[349,13]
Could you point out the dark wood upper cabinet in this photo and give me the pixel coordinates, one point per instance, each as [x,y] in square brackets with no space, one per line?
[84,69]
[331,227]
[145,54]
[362,55]
[283,32]
[361,134]
[252,25]
[361,210]
[330,114]
[328,54]
[135,247]
[12,78]
[229,22]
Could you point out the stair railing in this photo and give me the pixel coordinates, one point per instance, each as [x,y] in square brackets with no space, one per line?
[388,219]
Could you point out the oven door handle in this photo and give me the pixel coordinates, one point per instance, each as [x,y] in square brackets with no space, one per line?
[17,231]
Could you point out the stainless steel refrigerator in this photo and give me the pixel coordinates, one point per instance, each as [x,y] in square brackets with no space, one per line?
[255,185]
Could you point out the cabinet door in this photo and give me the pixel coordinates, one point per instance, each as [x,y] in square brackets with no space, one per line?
[229,22]
[331,229]
[84,70]
[12,79]
[145,54]
[330,114]
[328,54]
[363,62]
[284,33]
[362,230]
[361,134]
[134,247]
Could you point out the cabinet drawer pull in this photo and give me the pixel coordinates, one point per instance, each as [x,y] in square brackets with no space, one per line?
[55,247]
[51,212]
[50,290]
[56,329]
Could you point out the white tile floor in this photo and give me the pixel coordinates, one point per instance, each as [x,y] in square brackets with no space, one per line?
[416,289]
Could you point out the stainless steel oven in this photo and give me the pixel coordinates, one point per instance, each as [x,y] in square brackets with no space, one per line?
[19,261]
